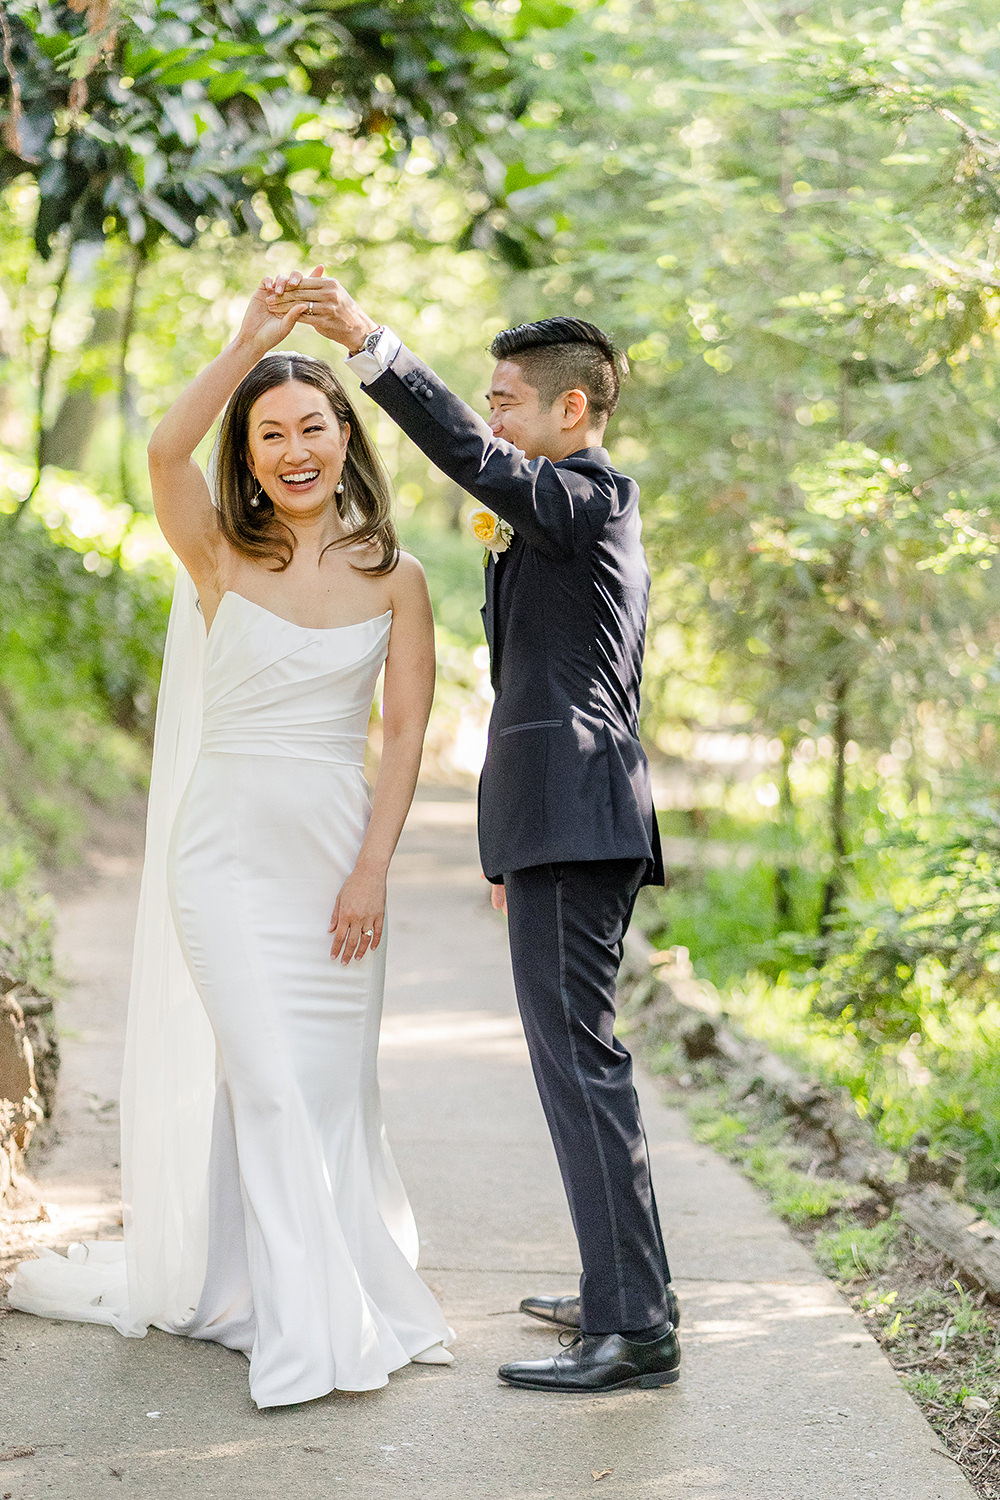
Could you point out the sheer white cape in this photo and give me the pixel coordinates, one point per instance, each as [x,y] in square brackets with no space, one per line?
[168,1081]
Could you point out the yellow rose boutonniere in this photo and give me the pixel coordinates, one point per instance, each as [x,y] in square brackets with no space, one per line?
[495,535]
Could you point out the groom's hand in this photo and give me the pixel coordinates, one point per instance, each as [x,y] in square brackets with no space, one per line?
[335,314]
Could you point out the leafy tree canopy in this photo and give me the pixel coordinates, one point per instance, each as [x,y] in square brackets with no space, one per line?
[157,122]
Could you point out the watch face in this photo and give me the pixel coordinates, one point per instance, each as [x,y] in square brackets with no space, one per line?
[372,340]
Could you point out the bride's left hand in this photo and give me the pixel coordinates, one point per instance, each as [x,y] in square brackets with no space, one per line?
[358,915]
[330,308]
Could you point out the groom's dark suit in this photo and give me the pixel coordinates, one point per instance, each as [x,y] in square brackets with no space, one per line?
[565,813]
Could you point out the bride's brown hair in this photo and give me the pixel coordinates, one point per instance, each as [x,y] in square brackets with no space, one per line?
[365,505]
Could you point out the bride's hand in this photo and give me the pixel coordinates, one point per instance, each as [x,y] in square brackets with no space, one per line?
[263,328]
[330,308]
[358,916]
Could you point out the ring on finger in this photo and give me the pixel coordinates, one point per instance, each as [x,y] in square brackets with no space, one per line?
[368,932]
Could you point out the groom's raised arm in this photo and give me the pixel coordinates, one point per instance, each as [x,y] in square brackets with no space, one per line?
[553,506]
[544,502]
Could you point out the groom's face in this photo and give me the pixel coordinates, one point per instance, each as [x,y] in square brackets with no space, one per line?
[517,416]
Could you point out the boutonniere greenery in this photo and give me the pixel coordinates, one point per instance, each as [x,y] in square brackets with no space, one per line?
[495,535]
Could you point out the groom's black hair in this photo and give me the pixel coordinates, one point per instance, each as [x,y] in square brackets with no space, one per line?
[565,354]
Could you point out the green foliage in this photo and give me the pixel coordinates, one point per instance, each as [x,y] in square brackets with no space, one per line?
[25,916]
[723,913]
[931,935]
[928,1388]
[769,1161]
[796,1196]
[790,221]
[940,1080]
[718,1128]
[966,1317]
[451,561]
[80,645]
[853,1250]
[912,979]
[164,118]
[897,1002]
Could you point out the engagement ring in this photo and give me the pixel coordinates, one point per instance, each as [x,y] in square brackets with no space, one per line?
[370,932]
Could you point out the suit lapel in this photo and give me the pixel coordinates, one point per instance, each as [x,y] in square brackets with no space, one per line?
[491,615]
[499,578]
[490,607]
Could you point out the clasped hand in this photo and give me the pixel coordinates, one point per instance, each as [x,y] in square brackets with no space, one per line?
[321,302]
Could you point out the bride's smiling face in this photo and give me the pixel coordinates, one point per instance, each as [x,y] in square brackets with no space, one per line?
[296,447]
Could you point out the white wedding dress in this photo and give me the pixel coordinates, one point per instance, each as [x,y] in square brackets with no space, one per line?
[262,1206]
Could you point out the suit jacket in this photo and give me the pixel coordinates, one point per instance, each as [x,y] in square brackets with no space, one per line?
[565,776]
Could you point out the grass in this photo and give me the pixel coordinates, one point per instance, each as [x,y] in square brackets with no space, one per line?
[724,915]
[767,1155]
[853,1249]
[944,1340]
[26,915]
[944,1082]
[926,1389]
[798,1197]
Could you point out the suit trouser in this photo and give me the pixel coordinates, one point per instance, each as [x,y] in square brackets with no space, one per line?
[566,925]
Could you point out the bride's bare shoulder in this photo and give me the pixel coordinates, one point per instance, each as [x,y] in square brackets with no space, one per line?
[410,570]
[408,585]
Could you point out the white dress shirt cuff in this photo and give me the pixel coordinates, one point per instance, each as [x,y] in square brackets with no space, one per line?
[368,366]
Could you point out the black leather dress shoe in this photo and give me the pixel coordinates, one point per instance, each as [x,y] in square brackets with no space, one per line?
[565,1311]
[597,1362]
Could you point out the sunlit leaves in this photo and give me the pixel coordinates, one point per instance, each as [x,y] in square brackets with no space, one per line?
[541,15]
[224,98]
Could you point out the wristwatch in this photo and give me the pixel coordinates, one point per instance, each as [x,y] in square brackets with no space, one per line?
[375,356]
[371,340]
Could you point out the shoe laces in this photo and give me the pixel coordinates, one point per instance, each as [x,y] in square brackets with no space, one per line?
[570,1337]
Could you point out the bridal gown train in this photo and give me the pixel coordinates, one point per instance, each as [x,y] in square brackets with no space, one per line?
[309,1266]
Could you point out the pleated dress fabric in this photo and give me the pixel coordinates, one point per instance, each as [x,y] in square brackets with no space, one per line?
[312,1245]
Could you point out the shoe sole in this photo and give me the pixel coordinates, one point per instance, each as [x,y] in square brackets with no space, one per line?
[643,1382]
[559,1323]
[544,1318]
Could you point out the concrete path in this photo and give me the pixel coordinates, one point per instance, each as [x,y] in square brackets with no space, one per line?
[783,1394]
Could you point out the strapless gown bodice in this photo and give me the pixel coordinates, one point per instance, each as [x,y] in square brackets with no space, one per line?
[276,688]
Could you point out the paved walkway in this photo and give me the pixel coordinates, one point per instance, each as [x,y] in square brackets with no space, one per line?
[783,1395]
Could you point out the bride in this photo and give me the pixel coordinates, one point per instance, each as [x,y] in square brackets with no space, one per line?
[262,1207]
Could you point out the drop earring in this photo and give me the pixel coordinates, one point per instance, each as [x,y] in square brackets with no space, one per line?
[255,499]
[340,487]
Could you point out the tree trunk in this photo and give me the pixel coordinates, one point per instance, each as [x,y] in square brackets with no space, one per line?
[138,260]
[43,378]
[68,437]
[834,887]
[784,908]
[455,500]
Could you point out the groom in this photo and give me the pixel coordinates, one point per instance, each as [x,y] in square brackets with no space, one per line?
[567,830]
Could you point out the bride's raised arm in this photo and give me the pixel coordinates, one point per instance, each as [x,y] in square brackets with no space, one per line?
[181,495]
